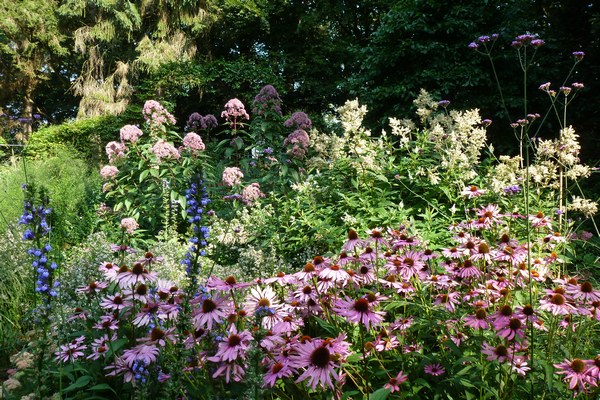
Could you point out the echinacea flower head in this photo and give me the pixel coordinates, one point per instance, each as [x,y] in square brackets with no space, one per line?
[394,383]
[434,369]
[277,370]
[359,311]
[319,361]
[71,351]
[500,353]
[575,374]
[472,191]
[477,321]
[233,346]
[211,310]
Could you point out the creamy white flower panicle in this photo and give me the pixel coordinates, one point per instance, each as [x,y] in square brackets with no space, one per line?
[584,206]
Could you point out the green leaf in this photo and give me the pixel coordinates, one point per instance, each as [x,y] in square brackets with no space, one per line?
[100,387]
[144,174]
[380,394]
[79,383]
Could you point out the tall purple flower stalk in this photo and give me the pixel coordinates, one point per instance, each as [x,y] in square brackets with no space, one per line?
[35,219]
[197,199]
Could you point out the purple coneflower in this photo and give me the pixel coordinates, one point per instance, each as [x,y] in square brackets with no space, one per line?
[359,311]
[434,369]
[233,346]
[500,353]
[277,370]
[319,362]
[394,383]
[472,191]
[211,310]
[71,351]
[477,321]
[230,283]
[575,374]
[353,242]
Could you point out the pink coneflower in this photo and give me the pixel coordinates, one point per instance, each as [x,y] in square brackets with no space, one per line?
[308,273]
[142,352]
[519,365]
[500,353]
[376,236]
[501,317]
[234,346]
[514,328]
[490,214]
[160,337]
[231,371]
[575,374]
[434,369]
[353,242]
[287,325]
[281,278]
[147,314]
[584,292]
[277,370]
[482,252]
[137,274]
[107,322]
[468,270]
[109,270]
[92,287]
[365,275]
[402,324]
[359,311]
[100,347]
[394,383]
[263,303]
[211,310]
[453,252]
[539,220]
[304,294]
[334,273]
[447,300]
[556,304]
[71,351]
[472,191]
[385,343]
[344,259]
[230,283]
[319,361]
[115,302]
[477,321]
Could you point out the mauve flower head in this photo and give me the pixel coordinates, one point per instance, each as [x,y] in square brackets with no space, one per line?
[537,42]
[162,149]
[444,103]
[298,120]
[130,133]
[155,114]
[473,46]
[252,193]
[234,109]
[129,225]
[267,99]
[299,137]
[115,150]
[109,172]
[545,86]
[486,122]
[194,142]
[209,122]
[232,176]
[566,90]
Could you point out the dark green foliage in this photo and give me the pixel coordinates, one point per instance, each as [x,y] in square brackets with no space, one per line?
[86,137]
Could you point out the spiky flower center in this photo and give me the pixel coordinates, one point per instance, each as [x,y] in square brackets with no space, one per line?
[141,290]
[586,287]
[137,269]
[309,267]
[514,324]
[118,300]
[409,261]
[320,357]
[483,248]
[468,263]
[505,238]
[506,311]
[558,299]
[361,305]
[307,290]
[276,368]
[280,274]
[578,365]
[335,267]
[480,314]
[149,255]
[234,340]
[208,305]
[157,334]
[264,303]
[230,280]
[352,235]
[528,310]
[371,297]
[501,351]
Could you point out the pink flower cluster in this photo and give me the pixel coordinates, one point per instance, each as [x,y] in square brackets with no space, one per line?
[155,114]
[299,141]
[232,176]
[109,172]
[298,120]
[194,142]
[234,110]
[129,225]
[130,133]
[115,150]
[162,149]
[251,193]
